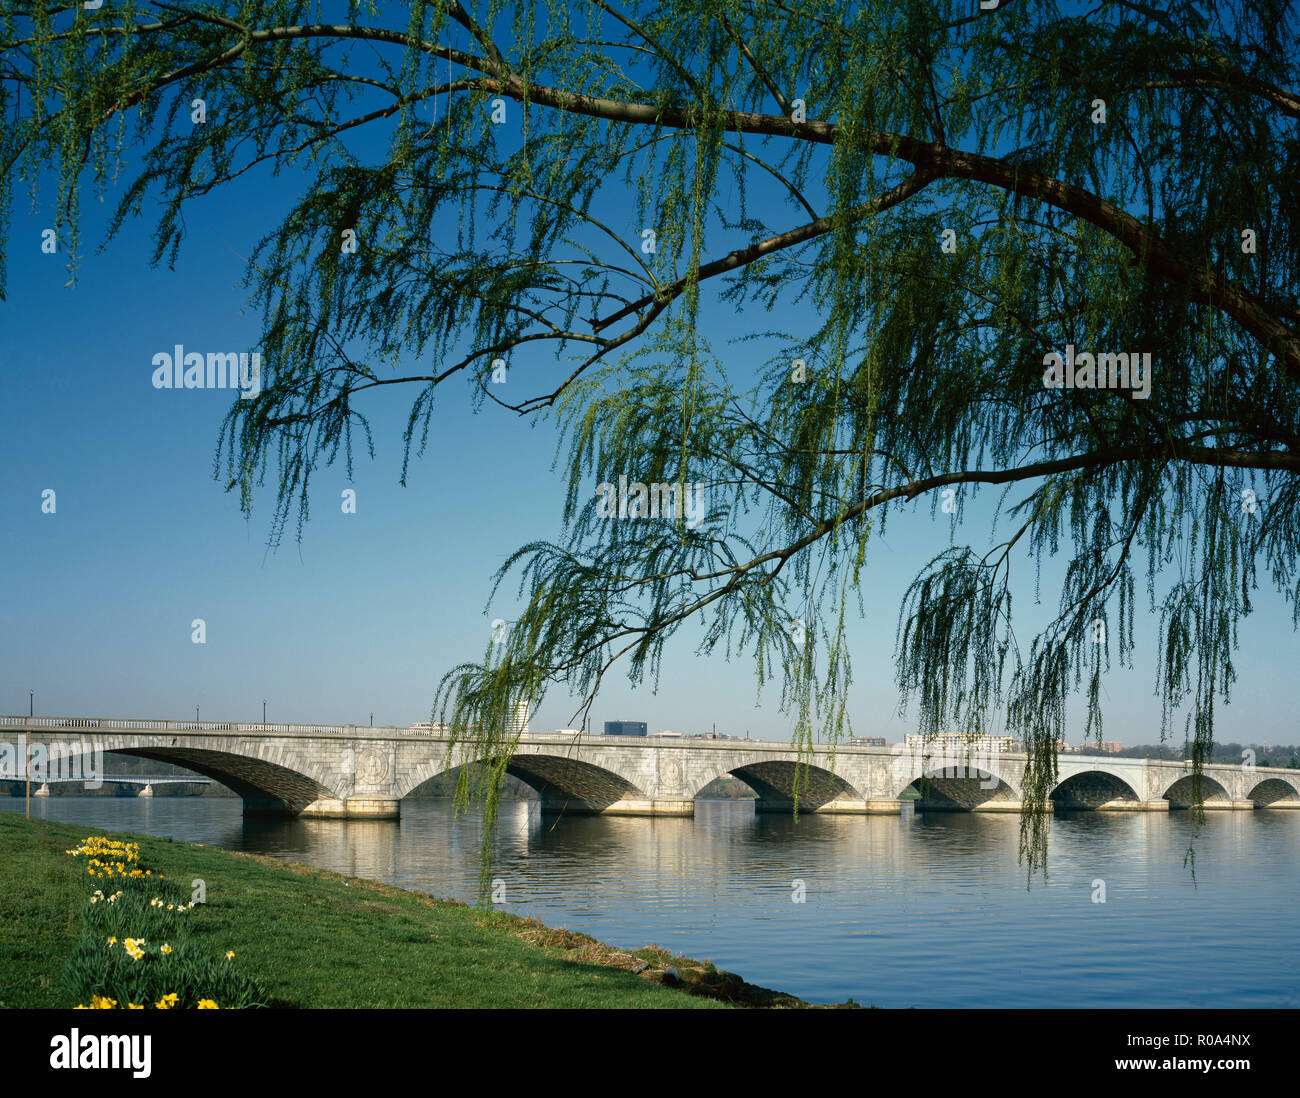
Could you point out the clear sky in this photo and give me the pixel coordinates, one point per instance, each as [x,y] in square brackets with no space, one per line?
[373,607]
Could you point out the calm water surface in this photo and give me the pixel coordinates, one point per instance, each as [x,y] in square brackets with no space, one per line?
[926,910]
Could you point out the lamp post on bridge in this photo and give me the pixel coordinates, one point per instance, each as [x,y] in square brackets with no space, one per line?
[263,714]
[196,714]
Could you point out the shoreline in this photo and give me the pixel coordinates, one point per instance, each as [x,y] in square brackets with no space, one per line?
[468,958]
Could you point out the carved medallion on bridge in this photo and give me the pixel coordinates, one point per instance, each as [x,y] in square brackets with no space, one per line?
[372,767]
[670,774]
[1154,781]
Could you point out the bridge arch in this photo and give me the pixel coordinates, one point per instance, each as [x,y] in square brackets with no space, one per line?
[564,784]
[776,781]
[1093,789]
[962,789]
[266,787]
[1276,793]
[955,782]
[1183,792]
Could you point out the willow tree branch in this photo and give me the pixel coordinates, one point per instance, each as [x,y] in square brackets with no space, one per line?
[1204,286]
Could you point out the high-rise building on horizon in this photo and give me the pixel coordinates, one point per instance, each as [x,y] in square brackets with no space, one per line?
[518,724]
[625,728]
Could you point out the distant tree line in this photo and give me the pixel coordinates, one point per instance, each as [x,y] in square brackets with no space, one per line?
[1265,755]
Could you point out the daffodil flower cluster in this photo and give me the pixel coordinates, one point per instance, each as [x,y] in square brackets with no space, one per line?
[96,868]
[98,1002]
[122,858]
[132,970]
[167,1002]
[135,948]
[101,846]
[180,909]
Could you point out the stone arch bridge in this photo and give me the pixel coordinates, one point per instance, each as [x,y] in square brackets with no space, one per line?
[347,771]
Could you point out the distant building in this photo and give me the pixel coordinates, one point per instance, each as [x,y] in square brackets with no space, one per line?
[867,741]
[667,735]
[949,742]
[1092,747]
[625,728]
[518,721]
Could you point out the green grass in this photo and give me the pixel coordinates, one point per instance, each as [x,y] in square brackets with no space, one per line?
[41,893]
[318,939]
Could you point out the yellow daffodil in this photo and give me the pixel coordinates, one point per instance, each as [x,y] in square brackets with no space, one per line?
[207,1004]
[165,948]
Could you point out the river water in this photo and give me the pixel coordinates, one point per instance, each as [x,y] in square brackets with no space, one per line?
[926,909]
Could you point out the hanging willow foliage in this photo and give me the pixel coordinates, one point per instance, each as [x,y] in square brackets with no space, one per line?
[924,196]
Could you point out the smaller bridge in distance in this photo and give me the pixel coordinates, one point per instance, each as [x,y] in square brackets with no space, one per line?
[144,781]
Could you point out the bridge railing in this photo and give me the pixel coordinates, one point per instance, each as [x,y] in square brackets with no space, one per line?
[125,724]
[64,724]
[111,724]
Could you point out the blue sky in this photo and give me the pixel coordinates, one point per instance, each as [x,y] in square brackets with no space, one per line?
[372,608]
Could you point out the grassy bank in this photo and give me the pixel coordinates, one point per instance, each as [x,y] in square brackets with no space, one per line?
[318,939]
